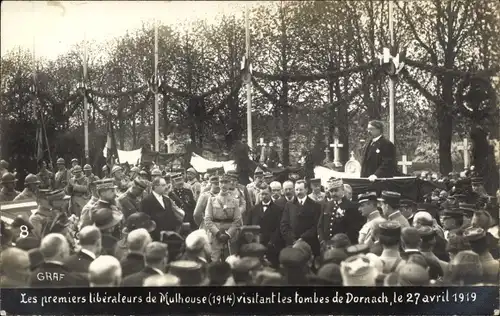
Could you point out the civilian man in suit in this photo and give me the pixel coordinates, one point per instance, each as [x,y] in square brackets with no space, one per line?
[267,215]
[288,194]
[161,209]
[90,243]
[300,219]
[105,271]
[379,159]
[137,241]
[155,258]
[339,215]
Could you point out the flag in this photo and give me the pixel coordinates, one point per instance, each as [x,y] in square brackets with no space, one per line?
[110,151]
[57,4]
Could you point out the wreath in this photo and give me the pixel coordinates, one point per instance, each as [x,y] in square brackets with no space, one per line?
[475,97]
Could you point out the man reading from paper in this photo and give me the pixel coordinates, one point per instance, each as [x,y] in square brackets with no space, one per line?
[379,159]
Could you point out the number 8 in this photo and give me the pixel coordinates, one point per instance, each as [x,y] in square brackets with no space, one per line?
[24,231]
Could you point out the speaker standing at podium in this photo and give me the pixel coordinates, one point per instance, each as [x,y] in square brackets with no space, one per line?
[379,159]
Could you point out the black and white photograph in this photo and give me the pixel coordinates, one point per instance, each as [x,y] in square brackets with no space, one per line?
[297,149]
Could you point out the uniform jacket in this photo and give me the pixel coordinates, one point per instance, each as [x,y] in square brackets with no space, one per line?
[79,191]
[85,216]
[195,187]
[379,159]
[301,221]
[46,178]
[7,196]
[165,218]
[223,213]
[128,204]
[366,232]
[340,218]
[65,277]
[398,217]
[269,222]
[137,279]
[40,219]
[187,203]
[25,195]
[239,195]
[201,205]
[61,179]
[132,263]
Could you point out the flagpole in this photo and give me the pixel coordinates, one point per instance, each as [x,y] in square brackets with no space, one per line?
[249,82]
[391,78]
[85,101]
[156,110]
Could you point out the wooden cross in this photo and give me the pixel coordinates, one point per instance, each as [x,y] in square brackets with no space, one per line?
[405,163]
[465,148]
[336,145]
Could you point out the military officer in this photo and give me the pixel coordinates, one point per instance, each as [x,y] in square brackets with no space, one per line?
[237,193]
[368,207]
[254,187]
[194,184]
[129,201]
[201,204]
[50,204]
[31,184]
[87,170]
[390,202]
[184,197]
[8,183]
[78,189]
[222,220]
[46,177]
[62,175]
[119,179]
[316,194]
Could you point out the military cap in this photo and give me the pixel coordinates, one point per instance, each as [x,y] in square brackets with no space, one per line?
[474,233]
[477,180]
[390,229]
[467,209]
[60,161]
[105,184]
[258,171]
[407,203]
[357,249]
[335,183]
[177,176]
[294,176]
[140,183]
[253,249]
[4,164]
[454,213]
[31,179]
[368,196]
[224,178]
[87,167]
[315,181]
[377,124]
[8,178]
[139,220]
[232,172]
[135,169]
[115,169]
[340,240]
[390,197]
[357,271]
[426,232]
[76,169]
[189,272]
[268,175]
[411,274]
[292,257]
[192,171]
[214,179]
[55,195]
[247,264]
[156,172]
[161,280]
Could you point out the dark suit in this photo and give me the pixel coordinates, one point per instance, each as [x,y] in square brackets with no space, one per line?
[301,221]
[164,218]
[188,203]
[379,159]
[132,263]
[331,222]
[109,243]
[53,275]
[138,278]
[281,202]
[269,222]
[79,263]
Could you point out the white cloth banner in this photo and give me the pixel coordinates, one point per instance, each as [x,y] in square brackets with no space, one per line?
[130,156]
[201,164]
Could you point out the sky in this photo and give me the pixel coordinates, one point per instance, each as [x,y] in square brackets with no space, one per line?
[56,32]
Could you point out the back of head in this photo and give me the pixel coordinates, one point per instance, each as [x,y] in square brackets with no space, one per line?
[105,271]
[155,253]
[14,261]
[218,273]
[54,247]
[138,239]
[197,240]
[330,272]
[89,236]
[161,281]
[340,241]
[412,274]
[410,238]
[465,269]
[358,271]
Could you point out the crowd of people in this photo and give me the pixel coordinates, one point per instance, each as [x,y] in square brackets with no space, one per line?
[145,226]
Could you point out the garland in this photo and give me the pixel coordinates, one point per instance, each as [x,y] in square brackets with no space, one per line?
[446,71]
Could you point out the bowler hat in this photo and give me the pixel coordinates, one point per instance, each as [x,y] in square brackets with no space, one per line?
[106,218]
[189,272]
[139,220]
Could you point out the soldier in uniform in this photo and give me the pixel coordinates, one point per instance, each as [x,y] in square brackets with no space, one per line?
[479,244]
[31,184]
[78,189]
[46,177]
[390,203]
[237,193]
[195,185]
[134,172]
[253,188]
[49,207]
[119,179]
[62,175]
[105,171]
[201,204]
[368,208]
[316,195]
[389,238]
[74,163]
[130,201]
[184,197]
[222,220]
[8,183]
[339,215]
[85,219]
[87,169]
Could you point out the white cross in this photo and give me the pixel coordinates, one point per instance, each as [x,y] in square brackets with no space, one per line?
[327,154]
[465,148]
[405,163]
[170,142]
[261,143]
[336,145]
